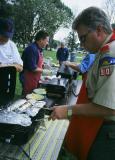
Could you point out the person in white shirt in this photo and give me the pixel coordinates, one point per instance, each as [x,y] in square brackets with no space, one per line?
[9,55]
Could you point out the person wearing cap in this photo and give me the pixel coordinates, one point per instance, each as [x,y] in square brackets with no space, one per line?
[96,115]
[33,62]
[62,54]
[9,55]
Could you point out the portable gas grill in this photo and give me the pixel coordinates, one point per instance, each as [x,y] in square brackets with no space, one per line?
[56,88]
[59,87]
[20,119]
[7,84]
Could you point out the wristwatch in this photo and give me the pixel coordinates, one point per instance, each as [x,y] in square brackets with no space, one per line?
[69,113]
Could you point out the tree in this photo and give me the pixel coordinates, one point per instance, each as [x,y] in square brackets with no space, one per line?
[71,41]
[109,7]
[33,15]
[6,9]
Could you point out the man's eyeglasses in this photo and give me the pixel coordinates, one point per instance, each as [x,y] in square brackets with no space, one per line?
[83,37]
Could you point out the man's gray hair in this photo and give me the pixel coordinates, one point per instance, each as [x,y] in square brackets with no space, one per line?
[92,17]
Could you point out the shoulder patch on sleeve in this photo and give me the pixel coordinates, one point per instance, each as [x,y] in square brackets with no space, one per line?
[107,61]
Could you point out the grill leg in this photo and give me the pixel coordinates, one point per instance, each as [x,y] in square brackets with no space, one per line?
[26,154]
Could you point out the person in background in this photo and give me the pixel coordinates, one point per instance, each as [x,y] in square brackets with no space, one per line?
[62,54]
[85,64]
[98,134]
[33,62]
[73,55]
[9,55]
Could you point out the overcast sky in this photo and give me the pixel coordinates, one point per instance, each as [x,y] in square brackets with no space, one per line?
[76,6]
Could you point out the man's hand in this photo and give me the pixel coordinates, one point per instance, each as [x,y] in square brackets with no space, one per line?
[67,63]
[18,67]
[46,72]
[59,112]
[46,66]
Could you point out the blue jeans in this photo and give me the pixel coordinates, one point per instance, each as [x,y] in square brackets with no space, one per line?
[104,145]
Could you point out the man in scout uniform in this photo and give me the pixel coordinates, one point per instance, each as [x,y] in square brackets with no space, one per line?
[96,134]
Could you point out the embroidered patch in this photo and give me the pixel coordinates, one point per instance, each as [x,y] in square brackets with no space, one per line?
[105,71]
[107,61]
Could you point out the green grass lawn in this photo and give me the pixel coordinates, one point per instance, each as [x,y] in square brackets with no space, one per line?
[18,90]
[51,54]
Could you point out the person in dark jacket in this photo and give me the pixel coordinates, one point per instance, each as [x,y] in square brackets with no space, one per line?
[62,54]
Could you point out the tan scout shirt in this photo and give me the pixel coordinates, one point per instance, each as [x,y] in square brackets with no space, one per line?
[101,78]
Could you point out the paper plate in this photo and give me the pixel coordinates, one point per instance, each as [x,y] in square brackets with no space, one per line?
[39,91]
[35,96]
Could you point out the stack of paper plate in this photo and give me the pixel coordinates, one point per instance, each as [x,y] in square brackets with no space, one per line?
[39,91]
[35,96]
